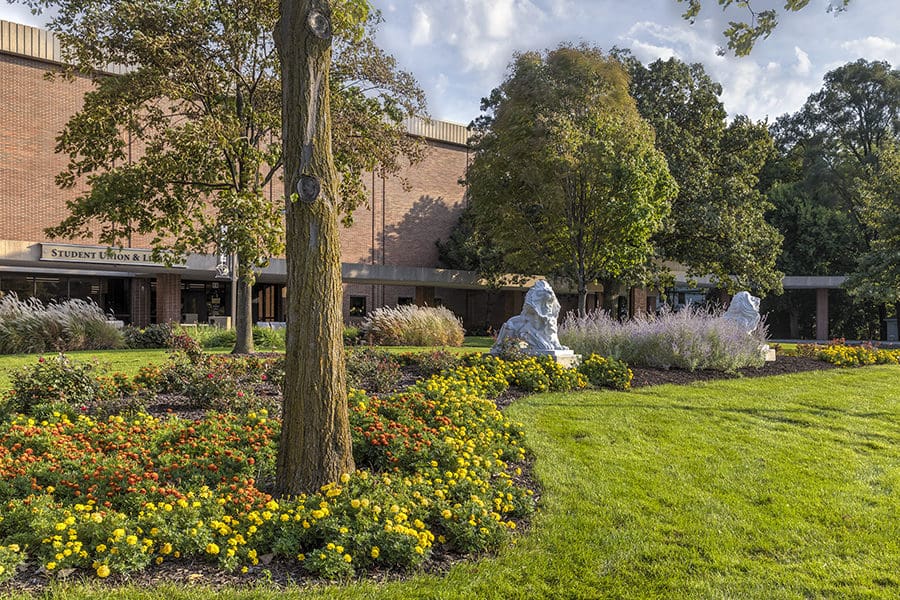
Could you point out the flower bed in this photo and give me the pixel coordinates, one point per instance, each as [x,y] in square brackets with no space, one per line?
[437,466]
[842,355]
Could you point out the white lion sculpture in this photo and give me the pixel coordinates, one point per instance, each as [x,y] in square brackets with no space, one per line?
[743,311]
[537,324]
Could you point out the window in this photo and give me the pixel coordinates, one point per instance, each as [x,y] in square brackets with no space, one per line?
[357,306]
[404,301]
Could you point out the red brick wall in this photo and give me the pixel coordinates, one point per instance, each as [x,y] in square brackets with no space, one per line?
[168,298]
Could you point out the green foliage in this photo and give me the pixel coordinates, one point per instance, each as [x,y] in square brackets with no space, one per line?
[717,225]
[605,372]
[741,35]
[413,325]
[877,273]
[28,326]
[566,179]
[372,370]
[60,383]
[151,336]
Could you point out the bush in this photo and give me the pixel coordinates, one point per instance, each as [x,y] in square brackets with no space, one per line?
[152,336]
[414,326]
[352,336]
[372,370]
[690,339]
[606,372]
[27,326]
[59,383]
[430,363]
[268,338]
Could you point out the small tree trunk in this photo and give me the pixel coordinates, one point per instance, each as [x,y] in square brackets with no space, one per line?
[582,300]
[315,446]
[243,315]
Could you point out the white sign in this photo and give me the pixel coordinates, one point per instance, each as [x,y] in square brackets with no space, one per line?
[102,255]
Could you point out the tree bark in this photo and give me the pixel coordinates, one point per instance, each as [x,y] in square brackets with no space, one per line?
[315,446]
[243,314]
[582,299]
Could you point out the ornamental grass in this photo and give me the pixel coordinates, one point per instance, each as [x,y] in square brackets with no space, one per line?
[690,339]
[28,326]
[413,325]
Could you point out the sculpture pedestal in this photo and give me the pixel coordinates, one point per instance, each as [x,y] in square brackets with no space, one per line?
[768,354]
[566,358]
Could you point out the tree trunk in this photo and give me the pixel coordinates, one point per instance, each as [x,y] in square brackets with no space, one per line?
[315,446]
[243,315]
[582,300]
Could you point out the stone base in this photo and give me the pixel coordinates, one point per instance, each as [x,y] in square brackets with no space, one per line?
[769,354]
[566,358]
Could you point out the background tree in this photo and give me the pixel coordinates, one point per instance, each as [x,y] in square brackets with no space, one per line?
[565,179]
[824,151]
[717,225]
[742,35]
[314,447]
[201,106]
[877,273]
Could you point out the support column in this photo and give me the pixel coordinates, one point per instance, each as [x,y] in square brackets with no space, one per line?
[638,301]
[822,314]
[140,302]
[168,298]
[424,296]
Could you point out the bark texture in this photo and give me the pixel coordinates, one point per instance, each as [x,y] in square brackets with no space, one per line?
[315,446]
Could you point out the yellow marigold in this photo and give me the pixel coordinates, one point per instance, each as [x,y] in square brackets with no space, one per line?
[212,548]
[375,552]
[103,571]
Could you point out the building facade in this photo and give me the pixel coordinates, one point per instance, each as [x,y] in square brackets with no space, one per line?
[389,254]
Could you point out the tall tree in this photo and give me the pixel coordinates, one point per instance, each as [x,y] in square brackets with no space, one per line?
[717,225]
[200,104]
[877,274]
[565,179]
[743,35]
[315,446]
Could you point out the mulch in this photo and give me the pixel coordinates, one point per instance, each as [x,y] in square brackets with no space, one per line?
[783,365]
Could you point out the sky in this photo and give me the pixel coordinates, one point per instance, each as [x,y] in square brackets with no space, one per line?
[459,50]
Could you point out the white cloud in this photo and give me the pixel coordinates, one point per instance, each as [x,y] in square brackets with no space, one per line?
[421,29]
[803,65]
[874,48]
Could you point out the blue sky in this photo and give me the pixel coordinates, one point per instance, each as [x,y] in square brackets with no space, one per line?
[459,49]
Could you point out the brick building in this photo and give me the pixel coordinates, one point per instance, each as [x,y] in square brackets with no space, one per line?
[389,254]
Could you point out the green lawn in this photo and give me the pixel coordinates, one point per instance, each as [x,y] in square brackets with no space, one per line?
[782,487]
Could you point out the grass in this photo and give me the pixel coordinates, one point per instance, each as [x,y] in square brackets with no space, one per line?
[782,487]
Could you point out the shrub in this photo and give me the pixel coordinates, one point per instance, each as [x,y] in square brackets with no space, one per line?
[59,383]
[690,339]
[268,338]
[27,326]
[152,336]
[431,363]
[352,336]
[372,370]
[606,372]
[414,326]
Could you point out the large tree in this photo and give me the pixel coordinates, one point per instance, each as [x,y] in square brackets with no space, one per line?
[185,143]
[743,35]
[566,179]
[315,446]
[717,225]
